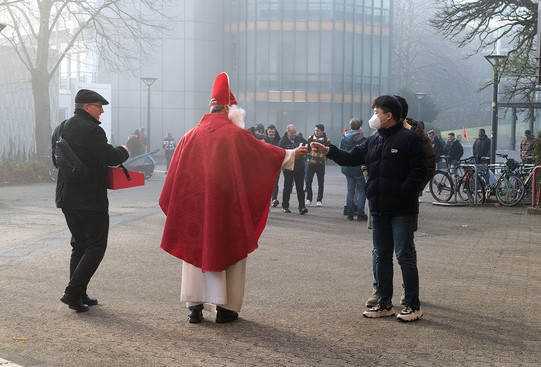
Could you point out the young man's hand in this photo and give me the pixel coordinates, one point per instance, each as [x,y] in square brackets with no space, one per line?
[319,148]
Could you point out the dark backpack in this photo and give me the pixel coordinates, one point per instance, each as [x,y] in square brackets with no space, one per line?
[67,161]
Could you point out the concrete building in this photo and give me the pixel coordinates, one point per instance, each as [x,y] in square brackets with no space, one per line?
[290,61]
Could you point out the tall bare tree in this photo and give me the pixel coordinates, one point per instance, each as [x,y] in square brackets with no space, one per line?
[424,61]
[120,31]
[487,23]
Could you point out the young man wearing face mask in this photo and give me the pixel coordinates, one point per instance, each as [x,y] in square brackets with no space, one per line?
[396,164]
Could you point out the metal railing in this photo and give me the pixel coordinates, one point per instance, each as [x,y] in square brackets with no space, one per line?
[535,187]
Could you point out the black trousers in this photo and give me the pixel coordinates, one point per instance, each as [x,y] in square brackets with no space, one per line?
[319,171]
[275,191]
[289,177]
[89,231]
[168,156]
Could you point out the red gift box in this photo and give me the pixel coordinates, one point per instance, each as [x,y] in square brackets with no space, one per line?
[118,179]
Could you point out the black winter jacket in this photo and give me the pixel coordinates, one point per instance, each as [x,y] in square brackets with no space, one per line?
[287,144]
[481,146]
[89,142]
[396,164]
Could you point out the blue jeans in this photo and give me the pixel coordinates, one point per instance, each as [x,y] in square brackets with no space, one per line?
[359,183]
[394,233]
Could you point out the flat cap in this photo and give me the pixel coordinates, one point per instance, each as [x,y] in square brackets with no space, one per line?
[89,96]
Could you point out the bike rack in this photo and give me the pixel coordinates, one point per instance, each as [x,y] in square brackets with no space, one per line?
[534,187]
[456,203]
[474,166]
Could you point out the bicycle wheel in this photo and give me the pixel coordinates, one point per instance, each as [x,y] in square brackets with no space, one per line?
[481,187]
[509,190]
[463,192]
[441,186]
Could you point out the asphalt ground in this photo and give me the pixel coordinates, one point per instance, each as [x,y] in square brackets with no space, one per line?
[306,286]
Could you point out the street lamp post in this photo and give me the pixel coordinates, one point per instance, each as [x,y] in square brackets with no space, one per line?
[495,61]
[420,97]
[148,82]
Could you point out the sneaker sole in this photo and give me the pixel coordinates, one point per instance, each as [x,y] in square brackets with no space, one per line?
[415,318]
[378,314]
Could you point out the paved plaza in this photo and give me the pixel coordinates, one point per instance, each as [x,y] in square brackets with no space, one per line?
[480,278]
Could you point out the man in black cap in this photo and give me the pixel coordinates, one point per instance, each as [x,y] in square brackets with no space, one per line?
[83,200]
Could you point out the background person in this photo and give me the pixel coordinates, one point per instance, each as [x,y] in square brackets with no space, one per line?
[273,137]
[134,144]
[259,132]
[453,150]
[143,139]
[481,146]
[354,175]
[292,140]
[169,145]
[84,204]
[438,146]
[316,165]
[526,147]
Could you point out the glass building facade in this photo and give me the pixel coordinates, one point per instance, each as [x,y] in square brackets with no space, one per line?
[308,61]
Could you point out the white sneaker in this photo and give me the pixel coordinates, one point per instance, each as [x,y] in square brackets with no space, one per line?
[308,202]
[319,203]
[409,314]
[379,310]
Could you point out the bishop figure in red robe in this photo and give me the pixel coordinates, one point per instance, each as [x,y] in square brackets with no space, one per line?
[216,199]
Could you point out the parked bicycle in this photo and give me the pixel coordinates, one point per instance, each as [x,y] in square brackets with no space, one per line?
[460,180]
[525,172]
[509,189]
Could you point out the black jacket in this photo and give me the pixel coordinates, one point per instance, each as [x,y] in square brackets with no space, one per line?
[439,147]
[89,142]
[396,164]
[287,144]
[481,146]
[454,151]
[274,141]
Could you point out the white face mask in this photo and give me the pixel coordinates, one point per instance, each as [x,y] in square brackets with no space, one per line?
[375,122]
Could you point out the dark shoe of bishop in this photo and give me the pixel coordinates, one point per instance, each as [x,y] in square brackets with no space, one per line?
[303,211]
[224,315]
[89,300]
[75,303]
[196,314]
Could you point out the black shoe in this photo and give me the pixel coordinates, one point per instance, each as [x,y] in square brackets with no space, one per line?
[89,300]
[286,210]
[350,217]
[224,315]
[196,314]
[362,217]
[303,211]
[275,203]
[75,303]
